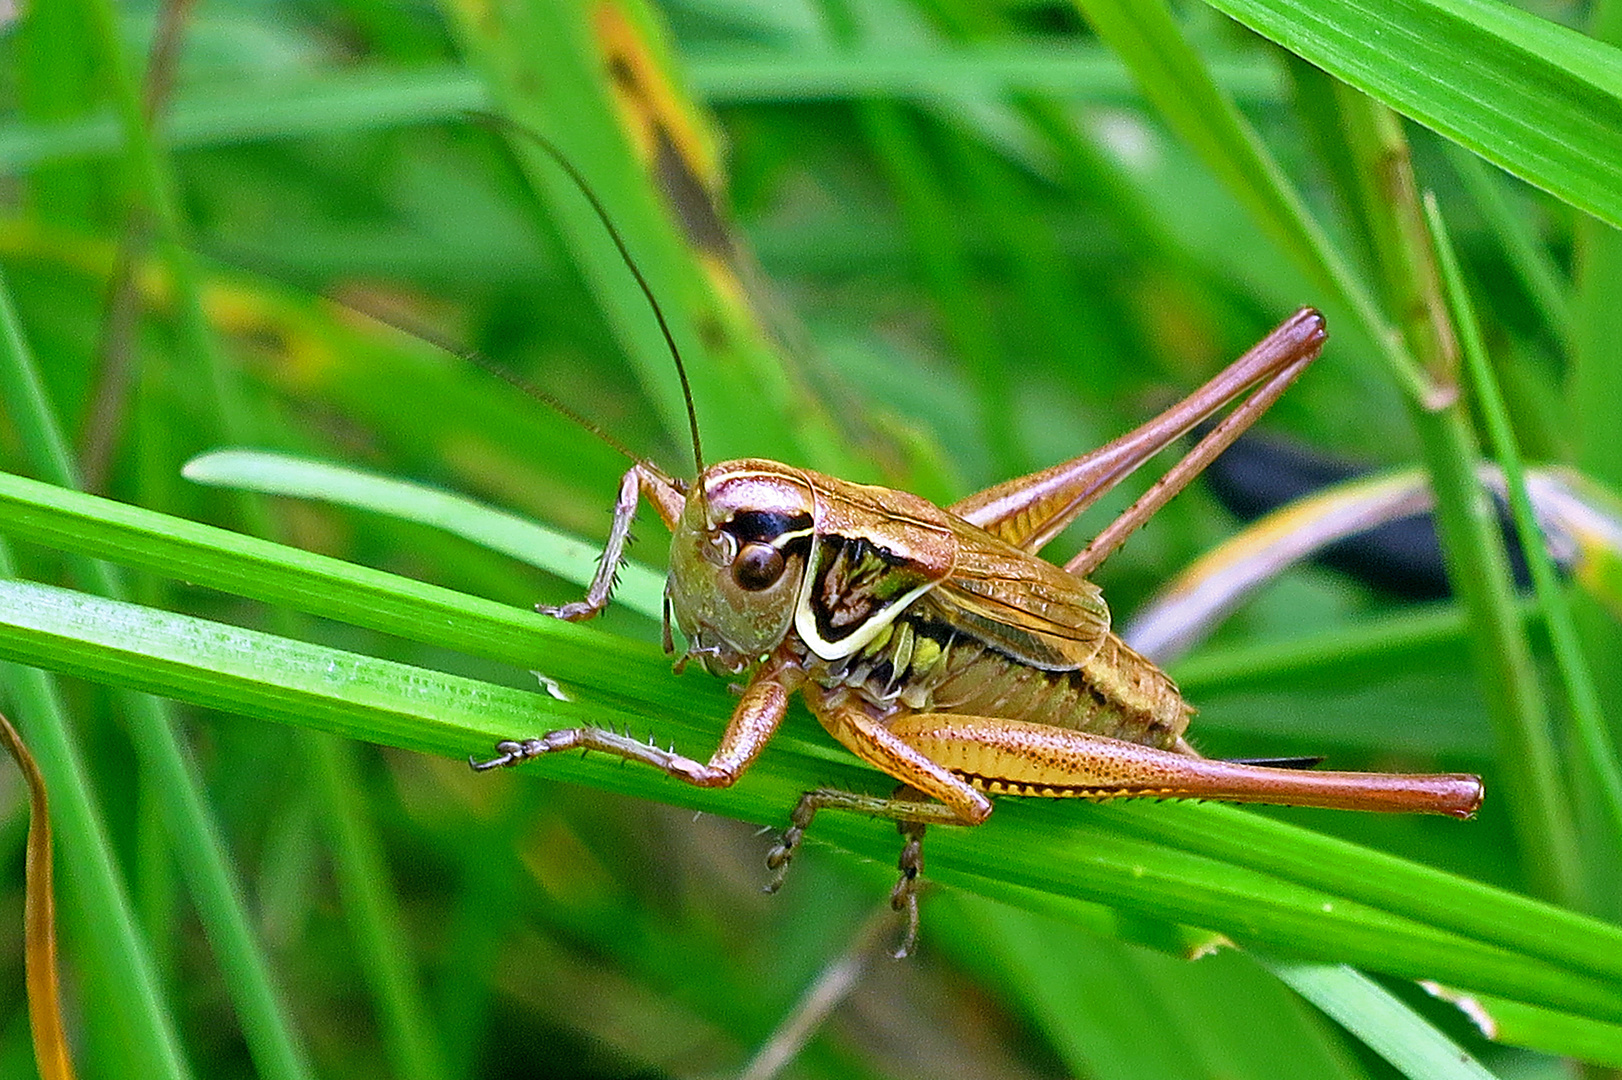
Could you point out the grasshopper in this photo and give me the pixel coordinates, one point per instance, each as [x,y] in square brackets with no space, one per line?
[936,644]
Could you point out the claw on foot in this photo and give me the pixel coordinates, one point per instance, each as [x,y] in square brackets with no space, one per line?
[909,936]
[508,752]
[576,611]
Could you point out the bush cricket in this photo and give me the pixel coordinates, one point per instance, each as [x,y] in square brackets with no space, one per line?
[935,643]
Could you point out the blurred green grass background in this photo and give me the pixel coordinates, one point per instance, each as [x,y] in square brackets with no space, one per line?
[967,246]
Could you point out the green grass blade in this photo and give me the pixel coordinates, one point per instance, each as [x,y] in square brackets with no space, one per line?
[1055,971]
[1517,1024]
[1539,100]
[1479,570]
[639,588]
[1386,1025]
[1179,84]
[1545,283]
[1386,197]
[1067,850]
[354,101]
[1590,732]
[313,584]
[364,882]
[560,90]
[361,99]
[194,833]
[154,191]
[332,104]
[1427,895]
[21,387]
[124,981]
[1594,405]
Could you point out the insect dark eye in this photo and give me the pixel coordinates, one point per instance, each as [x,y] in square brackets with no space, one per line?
[757,567]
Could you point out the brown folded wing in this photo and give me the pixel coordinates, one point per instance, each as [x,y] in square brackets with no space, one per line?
[1020,604]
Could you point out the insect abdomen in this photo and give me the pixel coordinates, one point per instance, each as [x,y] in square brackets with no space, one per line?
[1116,693]
[926,666]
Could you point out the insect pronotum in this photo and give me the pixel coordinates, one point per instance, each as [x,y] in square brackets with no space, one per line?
[935,644]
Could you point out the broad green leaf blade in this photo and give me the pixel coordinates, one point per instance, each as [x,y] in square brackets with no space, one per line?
[1537,99]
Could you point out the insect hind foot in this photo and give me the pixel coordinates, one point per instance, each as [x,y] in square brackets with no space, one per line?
[904,897]
[782,853]
[911,816]
[805,810]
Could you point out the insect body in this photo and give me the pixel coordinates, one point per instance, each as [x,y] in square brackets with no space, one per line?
[937,645]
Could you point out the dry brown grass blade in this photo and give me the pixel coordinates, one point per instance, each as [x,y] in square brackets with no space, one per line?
[39,921]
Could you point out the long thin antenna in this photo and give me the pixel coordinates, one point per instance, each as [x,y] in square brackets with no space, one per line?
[574,174]
[412,328]
[396,320]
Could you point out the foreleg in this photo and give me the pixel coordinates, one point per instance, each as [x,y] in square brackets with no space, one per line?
[753,722]
[639,481]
